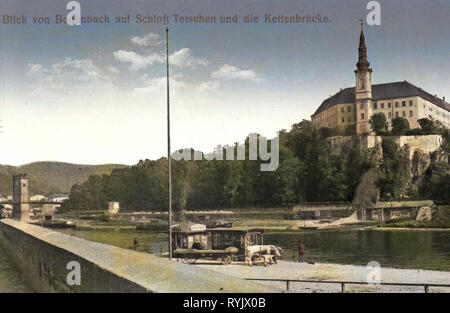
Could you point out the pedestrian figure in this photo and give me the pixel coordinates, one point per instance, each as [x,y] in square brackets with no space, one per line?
[135,243]
[301,251]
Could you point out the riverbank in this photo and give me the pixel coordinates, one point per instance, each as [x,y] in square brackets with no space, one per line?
[335,272]
[410,229]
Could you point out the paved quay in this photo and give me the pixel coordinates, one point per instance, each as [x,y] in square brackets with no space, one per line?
[334,272]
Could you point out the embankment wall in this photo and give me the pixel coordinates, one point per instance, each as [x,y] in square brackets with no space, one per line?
[43,255]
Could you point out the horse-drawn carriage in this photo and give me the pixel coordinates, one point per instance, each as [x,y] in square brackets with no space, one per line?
[194,241]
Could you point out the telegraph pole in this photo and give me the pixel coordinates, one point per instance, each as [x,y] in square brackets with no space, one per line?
[168,148]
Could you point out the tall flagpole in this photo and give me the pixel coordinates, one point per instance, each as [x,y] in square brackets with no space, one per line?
[168,149]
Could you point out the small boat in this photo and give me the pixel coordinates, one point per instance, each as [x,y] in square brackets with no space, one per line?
[308,227]
[55,224]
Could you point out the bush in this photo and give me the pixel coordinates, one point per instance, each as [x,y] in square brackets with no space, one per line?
[326,132]
[400,126]
[350,130]
[384,133]
[414,132]
[430,126]
[378,123]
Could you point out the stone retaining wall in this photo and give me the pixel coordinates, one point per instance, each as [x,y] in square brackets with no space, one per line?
[43,254]
[425,143]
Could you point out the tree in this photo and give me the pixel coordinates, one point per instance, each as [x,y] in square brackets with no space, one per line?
[430,126]
[400,126]
[321,178]
[326,132]
[350,130]
[395,170]
[378,123]
[436,183]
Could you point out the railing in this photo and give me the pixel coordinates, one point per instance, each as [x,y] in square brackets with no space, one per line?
[323,203]
[344,283]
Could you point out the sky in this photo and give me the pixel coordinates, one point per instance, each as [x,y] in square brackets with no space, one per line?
[96,93]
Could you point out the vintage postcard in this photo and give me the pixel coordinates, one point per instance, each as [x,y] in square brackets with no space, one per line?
[224,147]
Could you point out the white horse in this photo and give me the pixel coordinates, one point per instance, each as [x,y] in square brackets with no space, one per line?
[267,252]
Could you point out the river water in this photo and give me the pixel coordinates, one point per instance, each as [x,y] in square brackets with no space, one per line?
[402,249]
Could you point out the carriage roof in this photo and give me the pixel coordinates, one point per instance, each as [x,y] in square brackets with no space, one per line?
[189,228]
[224,230]
[243,230]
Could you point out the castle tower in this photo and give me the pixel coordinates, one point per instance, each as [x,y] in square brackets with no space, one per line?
[363,88]
[21,197]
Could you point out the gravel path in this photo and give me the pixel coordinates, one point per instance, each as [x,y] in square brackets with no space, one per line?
[335,272]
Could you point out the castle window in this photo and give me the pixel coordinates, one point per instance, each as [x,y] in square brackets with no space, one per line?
[396,104]
[343,120]
[349,109]
[382,105]
[375,105]
[361,84]
[411,113]
[342,110]
[389,105]
[410,103]
[403,103]
[404,114]
[362,116]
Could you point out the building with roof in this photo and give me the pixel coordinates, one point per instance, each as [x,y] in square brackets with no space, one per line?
[58,197]
[354,106]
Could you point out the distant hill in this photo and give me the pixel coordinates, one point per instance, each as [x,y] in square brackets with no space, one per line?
[52,177]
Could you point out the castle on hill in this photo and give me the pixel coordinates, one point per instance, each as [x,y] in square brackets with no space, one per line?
[354,106]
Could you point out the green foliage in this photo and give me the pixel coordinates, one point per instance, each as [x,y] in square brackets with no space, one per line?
[378,123]
[350,130]
[436,183]
[308,171]
[143,186]
[400,126]
[430,126]
[414,132]
[326,132]
[446,141]
[321,178]
[395,170]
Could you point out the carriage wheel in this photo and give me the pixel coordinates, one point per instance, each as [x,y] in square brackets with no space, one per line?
[226,260]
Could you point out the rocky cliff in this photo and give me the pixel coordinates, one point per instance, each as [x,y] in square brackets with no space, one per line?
[424,155]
